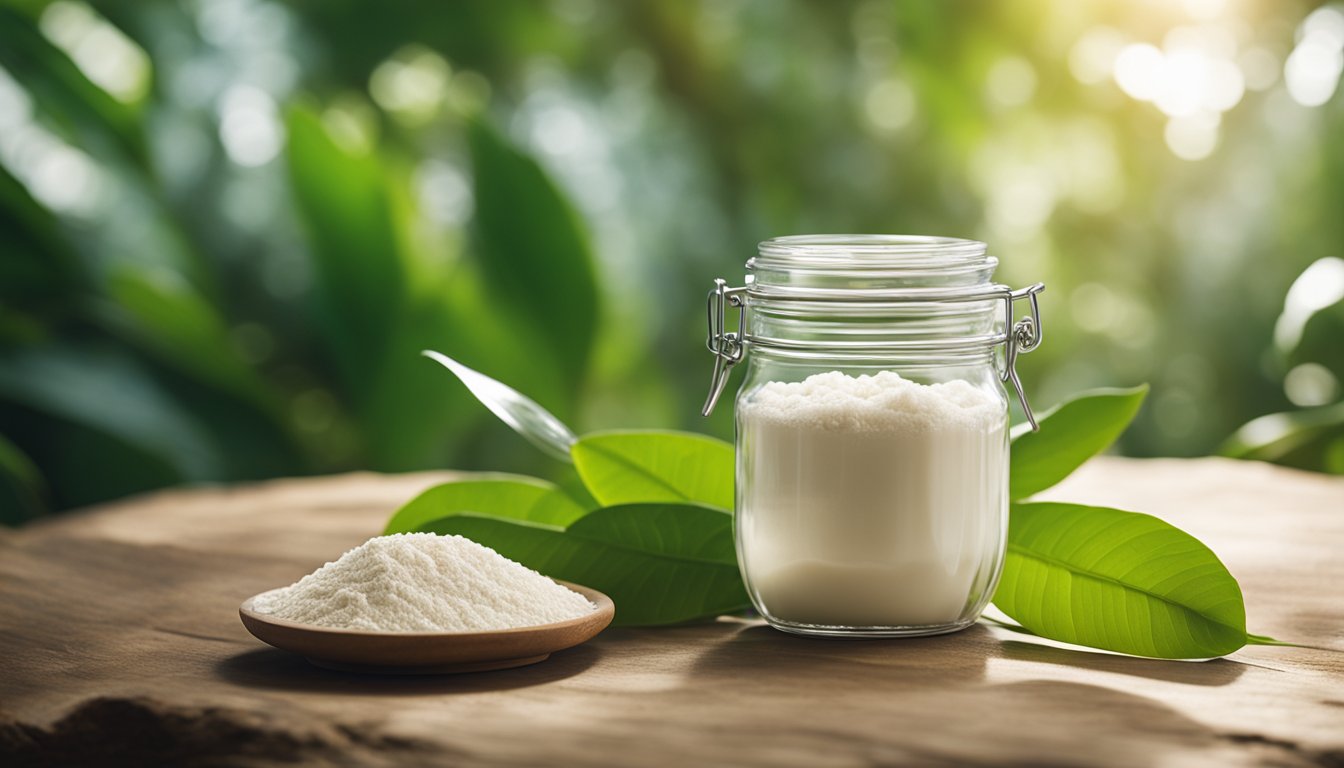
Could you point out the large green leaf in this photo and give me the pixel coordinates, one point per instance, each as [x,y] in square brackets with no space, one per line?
[680,530]
[107,392]
[1308,439]
[634,467]
[513,497]
[1070,434]
[39,270]
[1121,581]
[533,252]
[359,277]
[660,565]
[164,314]
[81,111]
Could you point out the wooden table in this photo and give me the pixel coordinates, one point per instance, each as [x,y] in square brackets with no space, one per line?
[120,643]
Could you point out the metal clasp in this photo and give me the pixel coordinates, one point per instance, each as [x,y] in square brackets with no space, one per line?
[726,345]
[1022,337]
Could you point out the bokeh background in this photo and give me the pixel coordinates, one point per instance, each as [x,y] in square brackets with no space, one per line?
[228,226]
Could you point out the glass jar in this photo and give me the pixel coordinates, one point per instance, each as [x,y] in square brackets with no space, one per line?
[871,429]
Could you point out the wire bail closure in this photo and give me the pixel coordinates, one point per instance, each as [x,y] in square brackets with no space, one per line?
[726,345]
[1018,336]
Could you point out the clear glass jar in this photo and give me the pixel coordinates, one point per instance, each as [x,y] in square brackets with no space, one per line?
[871,429]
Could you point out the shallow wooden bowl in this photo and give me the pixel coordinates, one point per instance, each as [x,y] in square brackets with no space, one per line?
[420,653]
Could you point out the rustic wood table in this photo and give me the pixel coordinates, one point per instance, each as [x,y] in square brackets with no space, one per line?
[120,644]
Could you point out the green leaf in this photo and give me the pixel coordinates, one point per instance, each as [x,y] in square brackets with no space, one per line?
[660,565]
[81,111]
[359,278]
[634,467]
[1071,433]
[160,311]
[1121,581]
[105,391]
[1306,439]
[22,489]
[533,252]
[682,530]
[513,497]
[528,419]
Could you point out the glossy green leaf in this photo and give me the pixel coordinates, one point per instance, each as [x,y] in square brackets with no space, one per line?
[660,564]
[1120,581]
[634,467]
[524,416]
[533,252]
[512,497]
[680,530]
[1071,433]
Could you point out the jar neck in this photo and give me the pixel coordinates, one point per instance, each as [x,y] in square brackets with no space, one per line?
[895,359]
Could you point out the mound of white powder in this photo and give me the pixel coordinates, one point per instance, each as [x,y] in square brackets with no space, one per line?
[880,403]
[423,582]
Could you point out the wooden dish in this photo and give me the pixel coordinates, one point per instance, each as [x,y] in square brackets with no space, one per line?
[428,653]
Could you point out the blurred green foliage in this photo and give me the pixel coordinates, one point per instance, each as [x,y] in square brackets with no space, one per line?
[227,227]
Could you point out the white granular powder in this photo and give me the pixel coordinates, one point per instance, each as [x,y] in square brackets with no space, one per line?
[423,582]
[871,501]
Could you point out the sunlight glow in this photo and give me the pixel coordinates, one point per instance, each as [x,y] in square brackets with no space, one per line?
[411,85]
[105,56]
[59,176]
[1192,137]
[249,126]
[1313,69]
[1319,286]
[890,105]
[1309,385]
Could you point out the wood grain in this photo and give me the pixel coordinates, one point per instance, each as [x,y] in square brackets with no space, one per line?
[120,644]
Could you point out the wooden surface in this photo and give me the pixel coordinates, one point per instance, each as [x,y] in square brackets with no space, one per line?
[120,643]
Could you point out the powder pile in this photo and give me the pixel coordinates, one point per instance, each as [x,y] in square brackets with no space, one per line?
[879,403]
[423,582]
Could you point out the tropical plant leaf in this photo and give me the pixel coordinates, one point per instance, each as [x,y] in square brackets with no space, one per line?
[526,417]
[683,579]
[163,313]
[512,497]
[682,530]
[1070,434]
[359,277]
[634,467]
[84,113]
[22,489]
[107,392]
[1308,439]
[533,252]
[1121,581]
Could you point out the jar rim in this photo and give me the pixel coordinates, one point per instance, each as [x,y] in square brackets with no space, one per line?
[859,253]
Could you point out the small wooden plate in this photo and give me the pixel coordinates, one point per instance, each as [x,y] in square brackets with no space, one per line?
[428,653]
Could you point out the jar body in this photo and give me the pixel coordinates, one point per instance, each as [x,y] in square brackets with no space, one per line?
[872,493]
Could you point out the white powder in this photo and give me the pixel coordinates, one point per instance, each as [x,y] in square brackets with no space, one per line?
[423,582]
[872,501]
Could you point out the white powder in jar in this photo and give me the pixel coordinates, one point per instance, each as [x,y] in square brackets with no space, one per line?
[423,582]
[871,501]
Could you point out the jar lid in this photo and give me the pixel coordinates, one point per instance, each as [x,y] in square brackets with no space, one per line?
[867,264]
